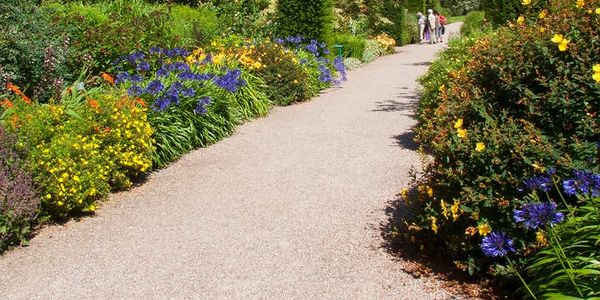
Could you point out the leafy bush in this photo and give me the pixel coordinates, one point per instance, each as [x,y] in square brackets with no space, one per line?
[501,11]
[352,63]
[193,26]
[373,51]
[415,6]
[32,49]
[474,22]
[514,103]
[354,46]
[80,148]
[18,196]
[312,19]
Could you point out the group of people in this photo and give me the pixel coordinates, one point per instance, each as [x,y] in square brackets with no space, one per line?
[431,27]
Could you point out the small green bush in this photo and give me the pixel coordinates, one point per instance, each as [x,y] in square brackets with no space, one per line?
[475,22]
[415,6]
[373,50]
[354,46]
[193,26]
[312,19]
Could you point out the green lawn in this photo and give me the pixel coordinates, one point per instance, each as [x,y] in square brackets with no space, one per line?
[454,19]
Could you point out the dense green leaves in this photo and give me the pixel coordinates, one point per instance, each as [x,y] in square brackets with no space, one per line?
[312,19]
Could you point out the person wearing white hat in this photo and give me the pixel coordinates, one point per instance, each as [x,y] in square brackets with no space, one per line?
[431,22]
[421,22]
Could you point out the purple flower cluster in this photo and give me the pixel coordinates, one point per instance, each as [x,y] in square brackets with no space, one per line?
[231,81]
[583,182]
[497,245]
[339,66]
[201,106]
[538,215]
[543,183]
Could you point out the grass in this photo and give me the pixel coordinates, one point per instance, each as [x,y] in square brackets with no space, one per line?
[454,19]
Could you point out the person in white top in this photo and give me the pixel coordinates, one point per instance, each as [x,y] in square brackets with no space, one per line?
[421,22]
[431,22]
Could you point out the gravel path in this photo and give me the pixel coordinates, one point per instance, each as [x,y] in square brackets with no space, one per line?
[288,208]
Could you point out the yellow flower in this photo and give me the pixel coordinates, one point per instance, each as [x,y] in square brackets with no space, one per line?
[430,192]
[597,11]
[48,196]
[455,209]
[462,133]
[563,45]
[434,226]
[521,20]
[480,147]
[596,76]
[596,68]
[458,123]
[404,193]
[542,29]
[59,203]
[484,229]
[542,14]
[444,209]
[557,38]
[526,2]
[538,169]
[580,3]
[540,237]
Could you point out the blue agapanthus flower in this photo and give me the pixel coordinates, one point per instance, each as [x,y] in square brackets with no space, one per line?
[162,72]
[543,183]
[583,182]
[325,73]
[497,245]
[161,103]
[155,87]
[339,66]
[231,81]
[201,106]
[143,66]
[135,90]
[538,215]
[188,92]
[279,41]
[122,78]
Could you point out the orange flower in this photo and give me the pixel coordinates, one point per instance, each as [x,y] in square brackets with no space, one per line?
[93,104]
[140,101]
[6,103]
[15,89]
[107,78]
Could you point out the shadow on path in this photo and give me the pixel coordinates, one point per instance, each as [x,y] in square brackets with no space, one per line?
[406,140]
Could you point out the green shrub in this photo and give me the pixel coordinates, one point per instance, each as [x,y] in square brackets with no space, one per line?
[32,49]
[501,11]
[354,46]
[352,63]
[507,107]
[415,6]
[396,14]
[475,22]
[373,50]
[193,26]
[312,19]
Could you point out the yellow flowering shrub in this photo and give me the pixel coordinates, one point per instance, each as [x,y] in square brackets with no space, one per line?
[78,154]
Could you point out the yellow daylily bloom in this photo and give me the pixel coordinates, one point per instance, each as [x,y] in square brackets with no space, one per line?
[479,147]
[526,2]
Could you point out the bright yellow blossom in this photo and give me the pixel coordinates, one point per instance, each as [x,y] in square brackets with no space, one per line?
[484,229]
[563,45]
[434,226]
[455,209]
[580,3]
[542,14]
[540,237]
[521,20]
[480,147]
[597,11]
[444,208]
[462,133]
[458,123]
[526,2]
[557,38]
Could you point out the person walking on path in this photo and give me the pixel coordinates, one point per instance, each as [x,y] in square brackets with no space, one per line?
[421,22]
[438,27]
[431,23]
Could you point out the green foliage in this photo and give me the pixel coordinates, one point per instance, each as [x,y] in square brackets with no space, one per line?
[501,11]
[396,14]
[580,240]
[497,109]
[474,23]
[312,19]
[245,17]
[373,50]
[354,46]
[193,26]
[32,49]
[415,6]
